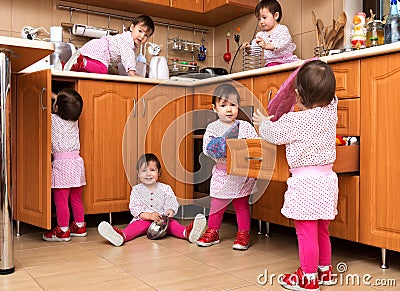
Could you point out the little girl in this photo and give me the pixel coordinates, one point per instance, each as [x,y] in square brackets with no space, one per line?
[312,194]
[274,38]
[68,172]
[225,188]
[149,200]
[96,55]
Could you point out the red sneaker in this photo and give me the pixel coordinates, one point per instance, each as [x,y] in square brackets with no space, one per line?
[57,235]
[209,238]
[75,230]
[80,64]
[325,277]
[196,227]
[114,235]
[298,281]
[242,241]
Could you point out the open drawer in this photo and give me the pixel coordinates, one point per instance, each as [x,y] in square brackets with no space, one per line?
[257,158]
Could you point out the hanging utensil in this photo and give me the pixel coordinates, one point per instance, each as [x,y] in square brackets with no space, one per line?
[227,55]
[202,54]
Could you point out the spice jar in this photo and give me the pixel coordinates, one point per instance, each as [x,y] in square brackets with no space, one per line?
[175,67]
[375,33]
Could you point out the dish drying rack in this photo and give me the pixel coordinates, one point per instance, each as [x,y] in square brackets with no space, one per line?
[252,59]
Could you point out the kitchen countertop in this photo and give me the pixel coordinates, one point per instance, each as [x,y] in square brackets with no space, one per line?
[342,57]
[25,52]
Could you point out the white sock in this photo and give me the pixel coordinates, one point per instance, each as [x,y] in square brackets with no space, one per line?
[64,228]
[310,276]
[80,224]
[323,268]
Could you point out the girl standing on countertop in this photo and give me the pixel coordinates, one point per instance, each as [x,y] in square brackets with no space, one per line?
[274,38]
[96,55]
[68,171]
[312,193]
[225,188]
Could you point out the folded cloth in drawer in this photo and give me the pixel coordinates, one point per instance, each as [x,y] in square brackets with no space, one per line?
[285,98]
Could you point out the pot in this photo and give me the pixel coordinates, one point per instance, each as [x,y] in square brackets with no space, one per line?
[158,230]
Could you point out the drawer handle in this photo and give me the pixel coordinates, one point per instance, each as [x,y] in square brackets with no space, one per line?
[269,96]
[253,158]
[41,98]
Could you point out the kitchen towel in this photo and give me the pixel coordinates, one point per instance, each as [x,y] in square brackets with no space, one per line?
[88,31]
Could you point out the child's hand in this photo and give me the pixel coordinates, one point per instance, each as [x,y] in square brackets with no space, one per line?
[261,43]
[246,46]
[259,118]
[155,216]
[170,213]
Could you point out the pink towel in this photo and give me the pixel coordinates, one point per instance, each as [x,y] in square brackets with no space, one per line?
[285,98]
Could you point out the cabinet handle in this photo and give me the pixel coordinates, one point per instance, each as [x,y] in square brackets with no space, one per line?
[253,158]
[134,107]
[41,98]
[269,96]
[144,107]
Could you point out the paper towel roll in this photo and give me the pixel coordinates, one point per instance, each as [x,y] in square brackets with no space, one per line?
[88,31]
[56,33]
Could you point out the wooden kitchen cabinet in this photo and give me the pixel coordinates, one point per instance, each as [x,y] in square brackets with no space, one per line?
[347,76]
[33,192]
[380,151]
[107,107]
[163,130]
[213,4]
[192,5]
[347,221]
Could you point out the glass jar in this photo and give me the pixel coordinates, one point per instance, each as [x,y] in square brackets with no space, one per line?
[175,67]
[375,33]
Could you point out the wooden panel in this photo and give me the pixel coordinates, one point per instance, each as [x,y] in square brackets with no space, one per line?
[34,149]
[347,159]
[347,79]
[213,4]
[191,5]
[268,206]
[380,152]
[250,157]
[107,108]
[348,117]
[346,223]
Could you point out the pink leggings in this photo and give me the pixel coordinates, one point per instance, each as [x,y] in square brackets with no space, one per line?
[61,198]
[242,209]
[314,244]
[94,66]
[138,227]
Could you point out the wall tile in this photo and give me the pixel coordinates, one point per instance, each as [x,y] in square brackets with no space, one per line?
[5,16]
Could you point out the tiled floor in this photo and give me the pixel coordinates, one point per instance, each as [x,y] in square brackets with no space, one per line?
[91,263]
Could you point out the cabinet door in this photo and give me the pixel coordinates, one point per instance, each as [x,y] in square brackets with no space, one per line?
[347,76]
[162,130]
[191,5]
[158,2]
[268,206]
[33,192]
[106,109]
[212,4]
[346,223]
[379,152]
[266,87]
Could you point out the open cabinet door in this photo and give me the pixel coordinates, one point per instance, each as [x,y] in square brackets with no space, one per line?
[33,193]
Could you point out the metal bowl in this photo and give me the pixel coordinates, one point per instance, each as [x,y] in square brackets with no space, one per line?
[158,230]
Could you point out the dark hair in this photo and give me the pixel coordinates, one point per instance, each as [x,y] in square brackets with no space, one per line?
[316,84]
[69,104]
[146,20]
[223,91]
[272,5]
[149,157]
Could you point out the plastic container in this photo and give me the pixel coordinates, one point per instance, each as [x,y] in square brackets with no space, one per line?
[184,66]
[375,33]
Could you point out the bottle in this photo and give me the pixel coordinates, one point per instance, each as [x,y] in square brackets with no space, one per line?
[375,33]
[392,27]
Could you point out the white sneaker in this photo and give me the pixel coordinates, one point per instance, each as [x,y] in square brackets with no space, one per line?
[110,233]
[195,229]
[72,60]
